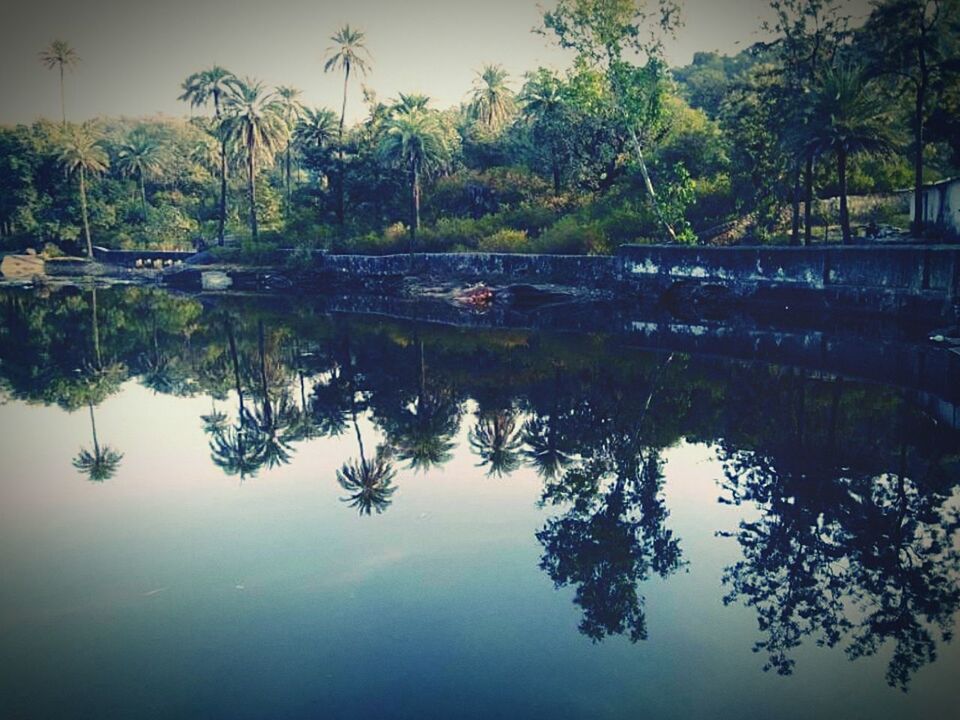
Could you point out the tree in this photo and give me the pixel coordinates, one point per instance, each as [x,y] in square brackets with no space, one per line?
[82,154]
[847,124]
[605,33]
[811,34]
[315,127]
[492,100]
[60,55]
[415,142]
[347,53]
[199,89]
[544,107]
[916,42]
[102,463]
[254,125]
[140,156]
[291,110]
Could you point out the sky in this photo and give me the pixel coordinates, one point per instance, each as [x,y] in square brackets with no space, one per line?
[135,54]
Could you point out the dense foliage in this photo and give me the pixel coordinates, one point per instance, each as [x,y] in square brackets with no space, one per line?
[615,148]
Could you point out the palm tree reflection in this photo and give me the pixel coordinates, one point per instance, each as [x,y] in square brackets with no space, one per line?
[102,463]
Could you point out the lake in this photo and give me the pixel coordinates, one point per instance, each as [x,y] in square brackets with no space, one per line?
[254,508]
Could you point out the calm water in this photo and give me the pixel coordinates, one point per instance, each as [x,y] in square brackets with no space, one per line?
[227,509]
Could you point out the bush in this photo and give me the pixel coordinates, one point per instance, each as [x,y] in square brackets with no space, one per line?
[506,241]
[571,236]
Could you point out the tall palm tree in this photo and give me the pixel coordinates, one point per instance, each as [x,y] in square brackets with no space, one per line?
[199,89]
[848,123]
[542,104]
[102,463]
[415,142]
[60,55]
[291,110]
[254,124]
[492,100]
[347,53]
[140,156]
[82,154]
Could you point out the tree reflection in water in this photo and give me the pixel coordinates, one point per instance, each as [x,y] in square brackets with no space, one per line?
[851,548]
[851,539]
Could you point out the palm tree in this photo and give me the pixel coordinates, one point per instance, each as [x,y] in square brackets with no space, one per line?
[370,483]
[316,127]
[140,156]
[496,439]
[347,53]
[82,154]
[492,100]
[102,463]
[291,110]
[415,142]
[60,55]
[199,89]
[411,102]
[847,123]
[254,124]
[542,103]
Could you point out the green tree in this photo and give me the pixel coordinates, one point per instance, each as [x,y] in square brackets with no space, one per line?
[140,156]
[61,56]
[199,89]
[492,101]
[604,33]
[544,107]
[847,124]
[291,110]
[102,463]
[254,125]
[415,142]
[82,154]
[348,53]
[917,42]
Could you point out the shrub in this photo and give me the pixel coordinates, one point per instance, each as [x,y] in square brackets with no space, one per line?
[506,241]
[571,236]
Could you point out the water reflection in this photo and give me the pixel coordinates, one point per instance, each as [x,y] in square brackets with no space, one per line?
[853,491]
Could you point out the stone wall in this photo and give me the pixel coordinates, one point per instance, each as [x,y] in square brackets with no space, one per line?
[905,270]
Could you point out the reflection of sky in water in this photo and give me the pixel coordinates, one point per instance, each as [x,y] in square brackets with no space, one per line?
[172,589]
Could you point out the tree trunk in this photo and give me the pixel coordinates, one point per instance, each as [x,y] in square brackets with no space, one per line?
[808,199]
[252,188]
[143,197]
[63,104]
[288,177]
[343,118]
[649,186]
[795,217]
[222,215]
[83,210]
[414,204]
[844,212]
[235,358]
[95,329]
[93,430]
[918,219]
[222,219]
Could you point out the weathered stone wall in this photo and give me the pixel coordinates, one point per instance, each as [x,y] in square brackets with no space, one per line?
[906,269]
[575,270]
[129,258]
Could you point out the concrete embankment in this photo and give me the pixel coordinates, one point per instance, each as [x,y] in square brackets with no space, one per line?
[914,282]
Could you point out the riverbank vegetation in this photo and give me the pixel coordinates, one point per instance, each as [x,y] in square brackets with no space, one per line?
[764,146]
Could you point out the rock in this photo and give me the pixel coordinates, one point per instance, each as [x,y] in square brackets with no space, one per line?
[22,266]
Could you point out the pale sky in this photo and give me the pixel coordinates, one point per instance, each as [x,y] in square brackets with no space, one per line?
[135,54]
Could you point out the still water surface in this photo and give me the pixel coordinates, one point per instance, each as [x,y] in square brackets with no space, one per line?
[229,509]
